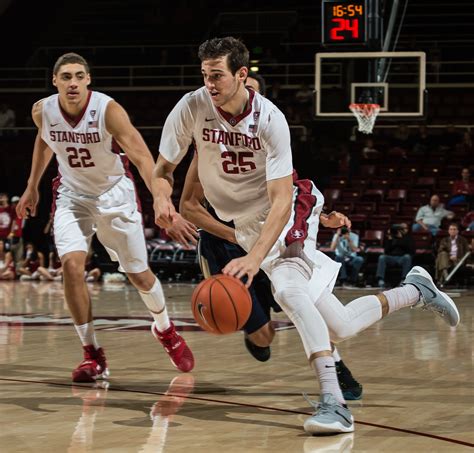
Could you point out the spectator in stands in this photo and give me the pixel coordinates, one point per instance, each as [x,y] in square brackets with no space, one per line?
[7,265]
[468,221]
[7,119]
[451,249]
[16,233]
[401,138]
[6,217]
[368,151]
[450,137]
[399,250]
[429,217]
[463,189]
[466,143]
[33,260]
[345,245]
[54,272]
[304,95]
[422,142]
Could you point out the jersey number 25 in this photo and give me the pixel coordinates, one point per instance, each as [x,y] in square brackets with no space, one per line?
[234,163]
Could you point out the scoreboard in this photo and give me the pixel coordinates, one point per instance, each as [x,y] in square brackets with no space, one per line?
[344,22]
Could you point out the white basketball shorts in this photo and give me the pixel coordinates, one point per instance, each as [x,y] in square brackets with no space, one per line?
[114,216]
[302,227]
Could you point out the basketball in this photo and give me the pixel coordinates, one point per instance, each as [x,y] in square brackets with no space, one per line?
[221,304]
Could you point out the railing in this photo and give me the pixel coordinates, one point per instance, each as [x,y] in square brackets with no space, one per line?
[188,77]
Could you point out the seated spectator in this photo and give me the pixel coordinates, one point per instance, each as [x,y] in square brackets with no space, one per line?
[54,272]
[429,217]
[450,137]
[7,119]
[468,221]
[368,151]
[304,95]
[92,270]
[423,142]
[451,249]
[33,260]
[7,265]
[463,189]
[16,233]
[399,250]
[345,244]
[6,216]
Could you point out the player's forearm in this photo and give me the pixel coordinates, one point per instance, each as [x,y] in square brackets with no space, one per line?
[275,222]
[199,216]
[145,168]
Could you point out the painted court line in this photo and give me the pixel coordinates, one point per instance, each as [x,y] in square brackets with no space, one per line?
[234,403]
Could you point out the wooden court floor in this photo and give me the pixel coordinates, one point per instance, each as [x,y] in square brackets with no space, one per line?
[416,371]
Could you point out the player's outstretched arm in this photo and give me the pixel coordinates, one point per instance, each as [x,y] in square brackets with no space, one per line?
[280,193]
[42,155]
[191,207]
[118,123]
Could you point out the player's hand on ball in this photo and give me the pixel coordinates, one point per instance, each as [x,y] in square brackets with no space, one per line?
[183,231]
[164,212]
[241,267]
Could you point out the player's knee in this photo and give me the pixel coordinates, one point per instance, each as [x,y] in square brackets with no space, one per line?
[290,298]
[143,281]
[73,268]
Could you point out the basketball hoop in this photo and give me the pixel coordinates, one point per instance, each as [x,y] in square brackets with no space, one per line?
[366,115]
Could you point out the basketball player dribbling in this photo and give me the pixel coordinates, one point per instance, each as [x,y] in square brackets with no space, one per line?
[94,194]
[218,248]
[245,168]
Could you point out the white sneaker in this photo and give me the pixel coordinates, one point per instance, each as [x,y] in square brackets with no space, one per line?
[330,417]
[431,298]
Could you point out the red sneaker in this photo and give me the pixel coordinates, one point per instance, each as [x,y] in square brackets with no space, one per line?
[93,367]
[180,354]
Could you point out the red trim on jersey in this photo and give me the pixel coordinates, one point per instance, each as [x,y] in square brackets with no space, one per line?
[55,186]
[116,147]
[73,122]
[304,204]
[233,120]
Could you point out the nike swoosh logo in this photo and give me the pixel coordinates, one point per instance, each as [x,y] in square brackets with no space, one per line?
[200,310]
[344,417]
[209,119]
[328,366]
[52,125]
[429,289]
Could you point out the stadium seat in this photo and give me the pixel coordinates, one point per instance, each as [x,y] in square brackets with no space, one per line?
[351,195]
[426,181]
[343,206]
[373,195]
[419,196]
[365,207]
[396,195]
[373,237]
[390,208]
[380,222]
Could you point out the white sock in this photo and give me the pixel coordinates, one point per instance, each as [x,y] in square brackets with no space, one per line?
[345,321]
[402,296]
[86,333]
[155,302]
[335,355]
[326,371]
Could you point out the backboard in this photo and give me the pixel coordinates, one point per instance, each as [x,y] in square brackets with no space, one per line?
[394,80]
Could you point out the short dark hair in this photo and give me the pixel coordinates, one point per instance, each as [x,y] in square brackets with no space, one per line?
[70,58]
[236,51]
[260,80]
[454,224]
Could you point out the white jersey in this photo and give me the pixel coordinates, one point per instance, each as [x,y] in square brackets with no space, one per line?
[236,155]
[88,158]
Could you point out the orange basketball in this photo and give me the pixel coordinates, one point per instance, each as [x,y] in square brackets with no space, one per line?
[221,304]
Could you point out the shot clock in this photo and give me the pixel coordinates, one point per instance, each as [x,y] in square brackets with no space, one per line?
[344,22]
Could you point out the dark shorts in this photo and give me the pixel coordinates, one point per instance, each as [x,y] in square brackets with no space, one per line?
[218,253]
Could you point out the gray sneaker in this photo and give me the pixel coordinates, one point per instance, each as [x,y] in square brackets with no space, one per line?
[330,417]
[431,297]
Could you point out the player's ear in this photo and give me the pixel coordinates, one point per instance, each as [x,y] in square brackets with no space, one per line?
[54,80]
[88,79]
[243,73]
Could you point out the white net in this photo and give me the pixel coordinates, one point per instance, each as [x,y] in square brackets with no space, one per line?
[366,115]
